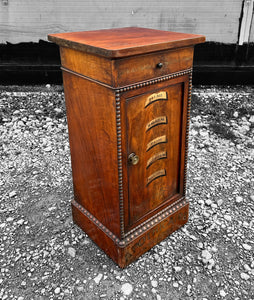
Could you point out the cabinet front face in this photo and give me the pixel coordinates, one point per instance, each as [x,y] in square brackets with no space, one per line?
[155,123]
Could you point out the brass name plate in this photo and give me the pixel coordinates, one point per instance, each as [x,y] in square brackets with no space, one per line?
[155,97]
[158,140]
[160,155]
[155,175]
[156,121]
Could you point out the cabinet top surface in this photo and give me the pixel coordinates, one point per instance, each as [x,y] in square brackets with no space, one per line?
[122,42]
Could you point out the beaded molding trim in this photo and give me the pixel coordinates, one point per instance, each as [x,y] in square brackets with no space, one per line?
[119,133]
[187,134]
[139,229]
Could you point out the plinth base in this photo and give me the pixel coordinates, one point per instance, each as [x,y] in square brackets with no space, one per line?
[138,241]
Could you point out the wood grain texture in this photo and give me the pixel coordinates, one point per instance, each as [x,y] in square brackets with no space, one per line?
[127,208]
[92,135]
[125,252]
[143,67]
[122,42]
[141,202]
[31,20]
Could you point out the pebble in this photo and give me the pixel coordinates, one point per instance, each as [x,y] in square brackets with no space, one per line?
[247,247]
[20,298]
[57,290]
[235,114]
[228,218]
[239,199]
[158,297]
[252,197]
[251,119]
[21,221]
[178,269]
[72,252]
[10,219]
[127,289]
[206,255]
[48,149]
[154,283]
[208,202]
[245,276]
[247,268]
[175,284]
[223,293]
[12,194]
[98,278]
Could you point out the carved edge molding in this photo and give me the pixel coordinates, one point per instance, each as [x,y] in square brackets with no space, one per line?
[120,162]
[119,134]
[153,81]
[187,134]
[136,232]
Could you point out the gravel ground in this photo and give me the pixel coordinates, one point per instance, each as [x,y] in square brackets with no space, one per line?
[43,255]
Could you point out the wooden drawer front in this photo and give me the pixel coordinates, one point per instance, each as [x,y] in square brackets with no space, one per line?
[143,67]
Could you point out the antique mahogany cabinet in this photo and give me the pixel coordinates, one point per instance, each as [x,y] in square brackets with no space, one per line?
[128,94]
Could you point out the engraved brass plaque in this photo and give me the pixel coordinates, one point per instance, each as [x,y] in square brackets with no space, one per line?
[155,175]
[157,156]
[156,121]
[158,140]
[155,97]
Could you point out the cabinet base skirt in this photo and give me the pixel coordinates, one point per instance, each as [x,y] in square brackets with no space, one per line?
[123,252]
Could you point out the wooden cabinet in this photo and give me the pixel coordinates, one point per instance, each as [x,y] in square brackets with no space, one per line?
[128,95]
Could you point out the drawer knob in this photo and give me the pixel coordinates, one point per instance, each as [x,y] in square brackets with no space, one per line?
[133,159]
[160,65]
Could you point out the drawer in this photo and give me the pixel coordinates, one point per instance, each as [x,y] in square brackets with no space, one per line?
[139,68]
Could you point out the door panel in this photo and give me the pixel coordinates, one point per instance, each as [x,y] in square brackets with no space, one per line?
[154,131]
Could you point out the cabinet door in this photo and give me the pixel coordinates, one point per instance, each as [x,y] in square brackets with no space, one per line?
[155,142]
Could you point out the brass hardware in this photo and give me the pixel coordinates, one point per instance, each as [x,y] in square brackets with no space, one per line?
[158,140]
[155,175]
[159,65]
[156,121]
[157,156]
[156,96]
[133,159]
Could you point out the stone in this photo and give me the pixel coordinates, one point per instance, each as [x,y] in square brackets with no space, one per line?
[48,149]
[177,269]
[72,252]
[251,119]
[127,289]
[21,221]
[228,218]
[158,297]
[245,276]
[247,247]
[235,114]
[252,197]
[223,293]
[206,255]
[57,290]
[208,202]
[175,285]
[98,278]
[154,283]
[238,199]
[12,194]
[247,268]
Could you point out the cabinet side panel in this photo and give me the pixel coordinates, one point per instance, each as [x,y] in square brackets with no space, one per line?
[91,115]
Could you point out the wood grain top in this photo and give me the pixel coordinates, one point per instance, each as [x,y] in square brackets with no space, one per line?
[122,42]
